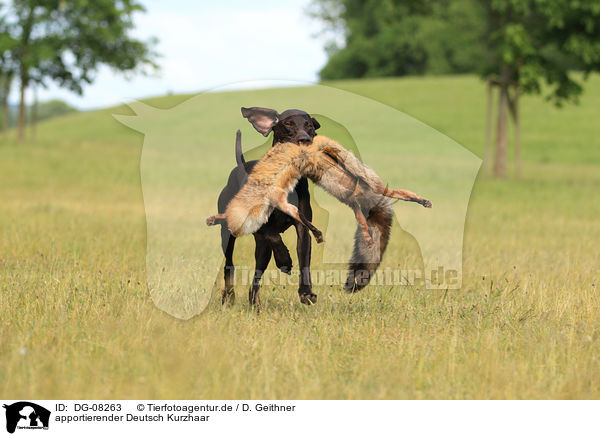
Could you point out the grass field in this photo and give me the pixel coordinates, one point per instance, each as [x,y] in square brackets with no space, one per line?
[77,321]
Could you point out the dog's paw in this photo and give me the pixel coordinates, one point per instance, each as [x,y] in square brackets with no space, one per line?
[210,221]
[309,299]
[286,269]
[227,297]
[426,203]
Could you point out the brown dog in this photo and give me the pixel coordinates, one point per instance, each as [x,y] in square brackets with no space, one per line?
[333,168]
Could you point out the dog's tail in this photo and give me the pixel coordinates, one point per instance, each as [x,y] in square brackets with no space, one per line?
[242,174]
[239,155]
[366,258]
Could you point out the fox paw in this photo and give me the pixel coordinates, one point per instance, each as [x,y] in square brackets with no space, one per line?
[319,237]
[210,221]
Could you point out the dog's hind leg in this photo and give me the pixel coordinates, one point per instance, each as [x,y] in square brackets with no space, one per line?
[228,243]
[262,257]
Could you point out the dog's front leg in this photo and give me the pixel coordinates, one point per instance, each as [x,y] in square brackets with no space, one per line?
[303,246]
[283,260]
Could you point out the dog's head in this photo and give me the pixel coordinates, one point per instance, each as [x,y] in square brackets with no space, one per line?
[292,125]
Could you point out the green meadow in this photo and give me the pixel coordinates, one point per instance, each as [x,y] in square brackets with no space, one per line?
[77,319]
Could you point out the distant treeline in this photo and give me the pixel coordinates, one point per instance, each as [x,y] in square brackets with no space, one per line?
[45,110]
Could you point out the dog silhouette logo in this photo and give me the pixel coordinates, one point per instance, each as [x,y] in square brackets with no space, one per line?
[26,415]
[188,151]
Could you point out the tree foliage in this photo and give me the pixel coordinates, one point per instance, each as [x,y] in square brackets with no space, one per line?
[400,37]
[539,42]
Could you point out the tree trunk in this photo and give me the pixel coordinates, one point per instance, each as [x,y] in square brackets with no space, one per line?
[488,126]
[34,112]
[5,92]
[514,106]
[501,133]
[24,70]
[4,117]
[21,121]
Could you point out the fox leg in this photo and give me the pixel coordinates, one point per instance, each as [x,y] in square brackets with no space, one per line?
[282,204]
[316,232]
[358,213]
[401,194]
[216,219]
[362,222]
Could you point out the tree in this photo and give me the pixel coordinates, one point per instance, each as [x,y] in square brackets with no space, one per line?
[532,43]
[518,46]
[6,78]
[67,41]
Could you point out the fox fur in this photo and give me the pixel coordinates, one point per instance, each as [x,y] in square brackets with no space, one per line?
[340,173]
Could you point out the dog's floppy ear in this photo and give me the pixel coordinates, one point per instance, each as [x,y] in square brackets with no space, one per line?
[263,119]
[316,124]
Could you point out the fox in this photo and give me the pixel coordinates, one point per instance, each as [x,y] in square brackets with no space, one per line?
[337,171]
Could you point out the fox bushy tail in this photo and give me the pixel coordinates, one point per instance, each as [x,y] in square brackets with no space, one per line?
[366,259]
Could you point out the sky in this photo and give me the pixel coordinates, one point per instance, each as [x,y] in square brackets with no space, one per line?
[205,44]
